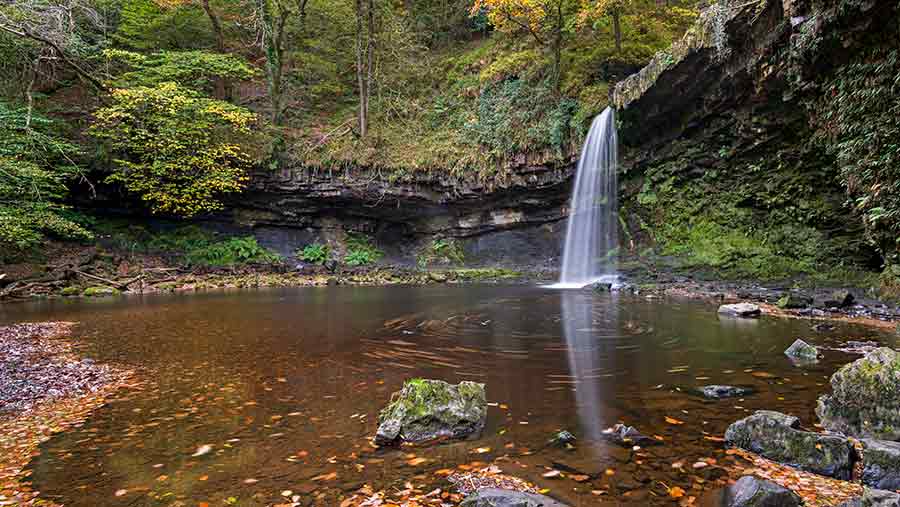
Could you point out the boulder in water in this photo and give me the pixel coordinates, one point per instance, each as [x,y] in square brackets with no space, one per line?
[751,491]
[775,436]
[865,397]
[746,310]
[562,439]
[840,299]
[802,351]
[425,410]
[874,498]
[881,464]
[493,497]
[717,392]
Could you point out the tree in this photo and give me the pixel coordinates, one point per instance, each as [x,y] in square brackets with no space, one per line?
[197,70]
[365,59]
[612,8]
[35,165]
[546,21]
[273,16]
[177,150]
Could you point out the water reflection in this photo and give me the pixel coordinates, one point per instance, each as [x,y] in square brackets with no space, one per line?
[588,323]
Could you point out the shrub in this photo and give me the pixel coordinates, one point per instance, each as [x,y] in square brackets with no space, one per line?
[232,252]
[315,253]
[443,251]
[361,251]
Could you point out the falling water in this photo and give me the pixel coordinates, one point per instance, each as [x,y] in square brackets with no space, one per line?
[592,232]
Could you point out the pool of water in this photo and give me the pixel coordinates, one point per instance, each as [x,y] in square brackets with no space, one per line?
[284,387]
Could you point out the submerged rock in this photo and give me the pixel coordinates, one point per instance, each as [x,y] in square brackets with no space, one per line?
[802,351]
[775,436]
[746,310]
[865,398]
[628,436]
[717,392]
[426,410]
[563,438]
[492,497]
[794,301]
[751,491]
[881,464]
[874,498]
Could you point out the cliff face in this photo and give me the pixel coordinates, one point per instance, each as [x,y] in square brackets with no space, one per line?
[514,220]
[723,160]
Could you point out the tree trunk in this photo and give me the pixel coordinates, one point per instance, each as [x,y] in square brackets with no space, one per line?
[557,48]
[223,86]
[365,59]
[617,30]
[273,38]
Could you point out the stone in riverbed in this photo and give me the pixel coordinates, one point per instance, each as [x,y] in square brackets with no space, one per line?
[492,497]
[840,299]
[746,310]
[794,301]
[881,464]
[865,398]
[717,392]
[775,436]
[751,491]
[425,410]
[874,498]
[802,351]
[628,436]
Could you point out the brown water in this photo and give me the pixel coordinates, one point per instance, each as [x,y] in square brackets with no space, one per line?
[286,385]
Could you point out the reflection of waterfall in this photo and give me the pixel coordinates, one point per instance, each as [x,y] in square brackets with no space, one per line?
[587,322]
[592,231]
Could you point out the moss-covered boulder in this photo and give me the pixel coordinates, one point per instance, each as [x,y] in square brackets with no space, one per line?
[776,436]
[794,301]
[427,410]
[865,397]
[802,351]
[100,291]
[881,464]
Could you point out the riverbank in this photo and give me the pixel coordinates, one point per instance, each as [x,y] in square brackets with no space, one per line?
[46,387]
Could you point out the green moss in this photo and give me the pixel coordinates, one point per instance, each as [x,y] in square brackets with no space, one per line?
[70,291]
[98,291]
[475,274]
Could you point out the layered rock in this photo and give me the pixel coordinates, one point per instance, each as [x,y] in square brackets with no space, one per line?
[776,436]
[881,464]
[493,497]
[865,397]
[427,410]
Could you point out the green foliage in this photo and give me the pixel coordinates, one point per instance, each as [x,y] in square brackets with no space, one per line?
[441,251]
[197,70]
[859,117]
[361,251]
[178,151]
[314,253]
[232,252]
[515,116]
[145,25]
[34,167]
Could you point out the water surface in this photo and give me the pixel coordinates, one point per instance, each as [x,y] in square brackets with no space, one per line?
[285,385]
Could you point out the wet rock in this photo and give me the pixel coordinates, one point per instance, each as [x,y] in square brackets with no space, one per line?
[717,392]
[746,310]
[881,464]
[100,291]
[600,287]
[874,498]
[775,436]
[840,299]
[426,410]
[865,398]
[563,438]
[751,491]
[802,350]
[823,327]
[436,276]
[492,497]
[792,301]
[628,436]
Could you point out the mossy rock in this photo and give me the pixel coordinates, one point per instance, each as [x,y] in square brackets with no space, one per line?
[802,351]
[101,291]
[70,291]
[794,301]
[881,464]
[775,436]
[865,398]
[428,410]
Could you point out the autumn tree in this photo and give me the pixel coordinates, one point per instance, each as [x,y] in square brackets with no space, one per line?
[273,18]
[594,9]
[365,59]
[546,21]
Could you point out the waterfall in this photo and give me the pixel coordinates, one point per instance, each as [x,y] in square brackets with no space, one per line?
[589,254]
